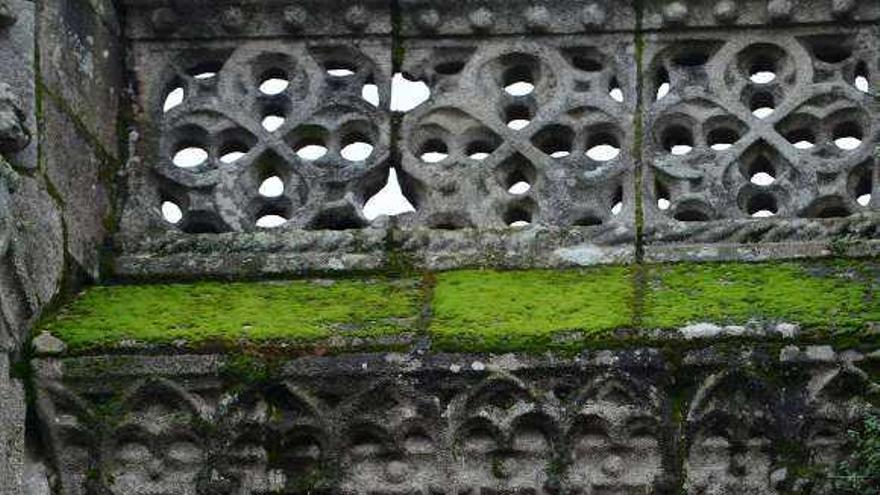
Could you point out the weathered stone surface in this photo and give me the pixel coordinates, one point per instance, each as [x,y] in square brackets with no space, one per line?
[762,124]
[46,344]
[724,13]
[568,113]
[221,115]
[450,423]
[17,62]
[35,262]
[14,134]
[12,413]
[81,64]
[80,178]
[219,19]
[457,157]
[691,418]
[482,17]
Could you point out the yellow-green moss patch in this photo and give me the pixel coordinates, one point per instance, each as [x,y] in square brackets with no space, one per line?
[258,312]
[526,310]
[827,295]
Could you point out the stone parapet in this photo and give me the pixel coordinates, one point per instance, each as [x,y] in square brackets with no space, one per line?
[621,131]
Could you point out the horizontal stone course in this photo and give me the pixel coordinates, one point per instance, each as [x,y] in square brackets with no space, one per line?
[449,423]
[485,310]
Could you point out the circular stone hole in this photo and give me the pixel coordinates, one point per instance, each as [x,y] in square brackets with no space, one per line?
[274,82]
[761,172]
[171,212]
[861,83]
[662,81]
[802,139]
[615,91]
[762,206]
[663,196]
[519,81]
[848,136]
[272,187]
[233,152]
[479,150]
[602,148]
[722,139]
[762,71]
[189,157]
[521,88]
[763,105]
[273,121]
[678,140]
[518,117]
[271,221]
[174,98]
[434,151]
[311,152]
[518,218]
[357,150]
[370,94]
[519,188]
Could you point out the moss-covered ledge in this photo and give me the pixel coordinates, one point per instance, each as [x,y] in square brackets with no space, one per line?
[211,314]
[488,311]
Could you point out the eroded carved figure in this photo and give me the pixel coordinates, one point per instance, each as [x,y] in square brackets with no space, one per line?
[615,444]
[276,443]
[504,438]
[157,448]
[731,427]
[391,444]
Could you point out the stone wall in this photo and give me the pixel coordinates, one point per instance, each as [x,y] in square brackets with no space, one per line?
[60,88]
[644,131]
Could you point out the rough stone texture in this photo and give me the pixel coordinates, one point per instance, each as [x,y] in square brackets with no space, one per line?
[569,112]
[579,210]
[728,13]
[222,114]
[488,17]
[81,65]
[148,19]
[707,421]
[452,423]
[17,60]
[36,201]
[712,94]
[17,132]
[36,261]
[79,176]
[12,413]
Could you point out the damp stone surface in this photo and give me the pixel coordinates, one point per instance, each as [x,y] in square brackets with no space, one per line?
[394,247]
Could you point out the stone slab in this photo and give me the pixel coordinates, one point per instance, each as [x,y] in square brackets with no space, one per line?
[81,64]
[81,179]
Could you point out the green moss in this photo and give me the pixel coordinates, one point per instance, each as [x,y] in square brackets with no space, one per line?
[491,311]
[256,312]
[506,311]
[831,296]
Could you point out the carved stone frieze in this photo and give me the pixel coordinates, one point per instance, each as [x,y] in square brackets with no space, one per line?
[605,422]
